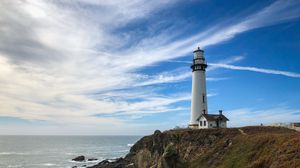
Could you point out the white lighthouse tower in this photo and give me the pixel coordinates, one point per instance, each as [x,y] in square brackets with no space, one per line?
[199,99]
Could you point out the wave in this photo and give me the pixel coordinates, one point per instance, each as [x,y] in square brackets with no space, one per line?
[72,154]
[93,161]
[48,164]
[130,145]
[13,153]
[14,166]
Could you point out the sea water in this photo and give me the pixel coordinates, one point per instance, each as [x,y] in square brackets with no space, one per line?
[58,151]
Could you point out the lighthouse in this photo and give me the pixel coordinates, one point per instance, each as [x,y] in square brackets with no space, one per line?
[199,98]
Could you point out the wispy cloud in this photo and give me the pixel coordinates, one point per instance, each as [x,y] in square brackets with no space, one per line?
[255,69]
[181,74]
[230,60]
[278,12]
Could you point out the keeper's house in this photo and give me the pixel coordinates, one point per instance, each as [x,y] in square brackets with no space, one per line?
[212,120]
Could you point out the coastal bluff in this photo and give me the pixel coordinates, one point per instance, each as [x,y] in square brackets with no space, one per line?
[245,147]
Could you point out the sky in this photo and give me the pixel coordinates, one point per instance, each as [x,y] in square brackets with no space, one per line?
[122,67]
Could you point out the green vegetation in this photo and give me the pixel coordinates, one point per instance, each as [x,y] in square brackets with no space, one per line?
[170,150]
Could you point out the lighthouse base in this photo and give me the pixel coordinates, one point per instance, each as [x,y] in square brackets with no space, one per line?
[193,126]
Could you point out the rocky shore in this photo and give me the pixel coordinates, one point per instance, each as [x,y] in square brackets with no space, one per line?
[252,147]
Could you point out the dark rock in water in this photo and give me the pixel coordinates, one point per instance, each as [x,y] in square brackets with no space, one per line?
[92,159]
[118,163]
[79,158]
[104,162]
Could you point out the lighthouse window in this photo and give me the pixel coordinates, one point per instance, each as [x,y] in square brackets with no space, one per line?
[203,98]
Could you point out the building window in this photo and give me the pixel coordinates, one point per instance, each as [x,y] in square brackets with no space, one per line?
[201,123]
[203,98]
[204,124]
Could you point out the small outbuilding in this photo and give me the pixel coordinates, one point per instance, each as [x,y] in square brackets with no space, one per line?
[212,121]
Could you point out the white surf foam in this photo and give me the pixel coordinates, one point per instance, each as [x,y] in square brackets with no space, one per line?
[48,164]
[13,153]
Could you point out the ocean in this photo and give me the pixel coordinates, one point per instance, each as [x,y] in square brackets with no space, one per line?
[58,151]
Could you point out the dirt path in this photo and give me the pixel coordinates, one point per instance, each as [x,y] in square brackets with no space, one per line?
[242,132]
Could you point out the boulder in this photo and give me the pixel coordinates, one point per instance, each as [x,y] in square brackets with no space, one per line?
[92,159]
[79,158]
[118,163]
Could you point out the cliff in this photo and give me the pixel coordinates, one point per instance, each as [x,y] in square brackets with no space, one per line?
[214,148]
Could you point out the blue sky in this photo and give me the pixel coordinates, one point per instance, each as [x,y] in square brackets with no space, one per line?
[89,67]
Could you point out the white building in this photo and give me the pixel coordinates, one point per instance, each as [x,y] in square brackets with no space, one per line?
[212,121]
[290,125]
[199,112]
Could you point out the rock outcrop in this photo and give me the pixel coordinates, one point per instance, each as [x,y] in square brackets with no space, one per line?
[79,159]
[270,147]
